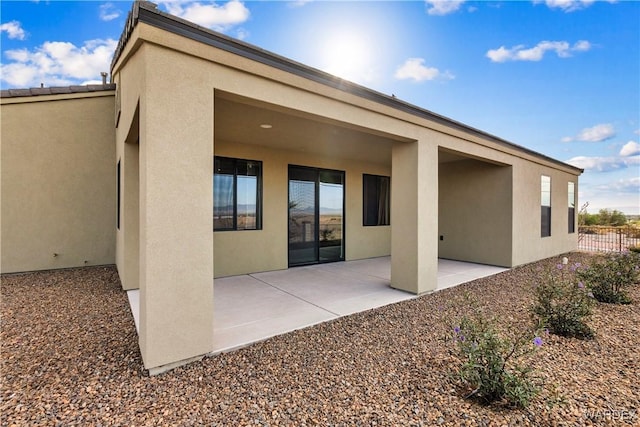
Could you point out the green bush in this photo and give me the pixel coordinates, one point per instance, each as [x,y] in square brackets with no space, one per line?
[562,303]
[489,368]
[605,217]
[635,249]
[611,217]
[608,278]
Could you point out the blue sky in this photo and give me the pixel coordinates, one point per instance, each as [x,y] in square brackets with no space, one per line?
[560,77]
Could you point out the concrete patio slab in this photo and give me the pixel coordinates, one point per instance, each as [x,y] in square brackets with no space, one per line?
[255,307]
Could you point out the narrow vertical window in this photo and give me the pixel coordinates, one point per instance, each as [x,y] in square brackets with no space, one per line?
[545,197]
[571,192]
[247,175]
[119,191]
[237,193]
[376,200]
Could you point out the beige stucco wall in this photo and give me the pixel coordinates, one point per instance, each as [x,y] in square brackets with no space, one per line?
[58,181]
[130,84]
[475,212]
[414,221]
[528,246]
[250,251]
[172,119]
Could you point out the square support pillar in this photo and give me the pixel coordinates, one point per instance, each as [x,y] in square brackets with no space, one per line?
[130,220]
[414,217]
[176,221]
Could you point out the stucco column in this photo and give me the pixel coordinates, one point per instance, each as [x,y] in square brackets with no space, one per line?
[130,220]
[414,216]
[176,222]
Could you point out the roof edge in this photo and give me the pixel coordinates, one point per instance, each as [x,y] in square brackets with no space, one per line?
[56,90]
[148,12]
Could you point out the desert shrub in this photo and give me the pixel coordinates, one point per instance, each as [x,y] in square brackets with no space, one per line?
[635,249]
[585,218]
[490,369]
[611,217]
[563,303]
[608,278]
[606,217]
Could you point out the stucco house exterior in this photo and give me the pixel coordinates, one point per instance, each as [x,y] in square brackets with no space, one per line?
[305,168]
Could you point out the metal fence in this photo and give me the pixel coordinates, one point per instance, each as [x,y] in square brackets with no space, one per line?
[596,238]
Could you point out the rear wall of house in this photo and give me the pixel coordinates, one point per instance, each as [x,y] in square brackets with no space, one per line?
[528,245]
[249,251]
[58,182]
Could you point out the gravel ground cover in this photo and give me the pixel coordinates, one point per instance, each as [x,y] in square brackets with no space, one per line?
[70,357]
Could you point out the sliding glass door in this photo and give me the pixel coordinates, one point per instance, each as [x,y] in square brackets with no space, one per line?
[316,215]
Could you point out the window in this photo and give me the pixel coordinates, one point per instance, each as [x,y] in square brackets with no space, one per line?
[545,197]
[237,194]
[571,191]
[376,190]
[119,195]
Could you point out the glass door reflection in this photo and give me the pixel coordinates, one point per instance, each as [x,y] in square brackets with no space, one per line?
[316,213]
[330,216]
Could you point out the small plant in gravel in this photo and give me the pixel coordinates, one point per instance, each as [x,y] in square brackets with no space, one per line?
[608,278]
[490,363]
[563,302]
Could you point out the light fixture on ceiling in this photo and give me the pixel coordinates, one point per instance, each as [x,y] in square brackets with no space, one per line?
[266,126]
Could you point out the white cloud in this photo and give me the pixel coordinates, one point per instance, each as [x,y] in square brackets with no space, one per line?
[569,5]
[604,164]
[631,148]
[242,34]
[414,69]
[299,3]
[582,46]
[14,30]
[519,53]
[631,185]
[57,63]
[443,7]
[211,15]
[109,12]
[597,133]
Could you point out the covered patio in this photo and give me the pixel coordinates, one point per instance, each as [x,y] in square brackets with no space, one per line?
[254,307]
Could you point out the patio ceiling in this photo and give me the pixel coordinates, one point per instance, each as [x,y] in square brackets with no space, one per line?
[238,119]
[448,156]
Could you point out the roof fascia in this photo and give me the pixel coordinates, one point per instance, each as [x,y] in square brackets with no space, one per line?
[56,97]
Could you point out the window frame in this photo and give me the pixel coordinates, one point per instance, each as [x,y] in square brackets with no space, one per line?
[571,201]
[365,200]
[545,210]
[236,162]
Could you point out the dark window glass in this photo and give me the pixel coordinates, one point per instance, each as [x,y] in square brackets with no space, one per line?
[237,190]
[545,211]
[571,192]
[376,200]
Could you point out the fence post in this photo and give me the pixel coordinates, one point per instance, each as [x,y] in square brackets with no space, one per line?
[619,231]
